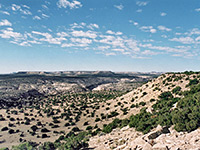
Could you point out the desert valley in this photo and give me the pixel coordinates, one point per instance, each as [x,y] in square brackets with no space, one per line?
[100,110]
[99,75]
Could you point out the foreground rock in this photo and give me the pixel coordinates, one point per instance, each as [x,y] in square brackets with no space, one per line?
[159,139]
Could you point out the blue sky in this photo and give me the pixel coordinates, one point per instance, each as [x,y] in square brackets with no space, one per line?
[116,35]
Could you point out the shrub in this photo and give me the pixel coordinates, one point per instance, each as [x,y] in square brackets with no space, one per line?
[176,90]
[11,131]
[25,146]
[67,124]
[12,119]
[108,128]
[85,123]
[144,93]
[133,105]
[193,82]
[166,95]
[47,146]
[4,129]
[97,119]
[124,123]
[132,100]
[142,103]
[56,121]
[152,100]
[75,129]
[89,128]
[45,130]
[44,136]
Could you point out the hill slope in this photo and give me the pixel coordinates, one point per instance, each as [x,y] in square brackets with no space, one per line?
[170,105]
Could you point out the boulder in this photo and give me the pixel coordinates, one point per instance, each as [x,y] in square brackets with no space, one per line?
[154,135]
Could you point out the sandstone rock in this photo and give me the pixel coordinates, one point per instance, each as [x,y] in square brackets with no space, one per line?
[160,146]
[154,135]
[165,130]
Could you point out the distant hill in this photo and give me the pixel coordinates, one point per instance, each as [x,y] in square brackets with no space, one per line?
[14,86]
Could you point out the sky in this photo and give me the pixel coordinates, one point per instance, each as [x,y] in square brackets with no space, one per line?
[114,35]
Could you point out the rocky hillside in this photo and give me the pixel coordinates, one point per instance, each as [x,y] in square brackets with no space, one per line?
[164,114]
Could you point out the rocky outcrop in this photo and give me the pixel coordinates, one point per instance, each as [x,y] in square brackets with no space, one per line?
[160,138]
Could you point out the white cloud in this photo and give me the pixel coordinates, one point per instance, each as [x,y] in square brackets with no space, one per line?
[194,31]
[48,38]
[148,29]
[15,7]
[139,10]
[120,7]
[5,12]
[34,42]
[25,6]
[67,45]
[141,3]
[9,33]
[47,35]
[163,14]
[198,9]
[163,28]
[103,47]
[71,5]
[75,45]
[78,26]
[118,50]
[89,34]
[114,33]
[153,30]
[24,43]
[62,34]
[45,16]
[132,45]
[164,36]
[93,26]
[36,18]
[81,40]
[149,52]
[26,12]
[112,40]
[134,23]
[110,54]
[5,22]
[45,7]
[198,38]
[184,40]
[165,48]
[19,8]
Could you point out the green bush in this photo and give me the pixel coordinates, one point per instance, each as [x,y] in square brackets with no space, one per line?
[133,105]
[25,146]
[193,82]
[176,90]
[166,95]
[89,128]
[142,103]
[97,119]
[47,146]
[108,128]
